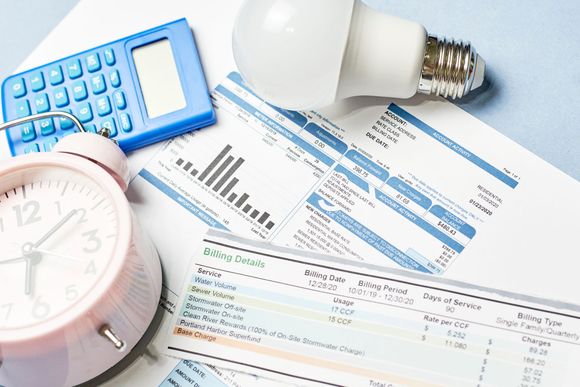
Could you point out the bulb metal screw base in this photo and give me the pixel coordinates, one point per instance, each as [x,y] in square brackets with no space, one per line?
[451,68]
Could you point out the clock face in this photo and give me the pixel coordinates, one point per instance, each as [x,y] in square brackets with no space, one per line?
[58,232]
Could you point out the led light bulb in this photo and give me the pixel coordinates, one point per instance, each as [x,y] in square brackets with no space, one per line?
[305,54]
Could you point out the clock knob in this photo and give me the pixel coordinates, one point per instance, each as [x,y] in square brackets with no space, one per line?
[99,149]
[107,332]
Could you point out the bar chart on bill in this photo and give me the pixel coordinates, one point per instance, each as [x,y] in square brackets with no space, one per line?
[231,180]
[219,176]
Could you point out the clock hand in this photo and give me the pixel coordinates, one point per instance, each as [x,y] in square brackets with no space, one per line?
[28,277]
[32,258]
[54,229]
[12,260]
[59,255]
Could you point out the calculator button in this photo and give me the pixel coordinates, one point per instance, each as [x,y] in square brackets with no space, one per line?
[109,56]
[93,62]
[74,69]
[91,128]
[49,144]
[114,77]
[55,75]
[46,126]
[27,131]
[31,148]
[60,97]
[109,123]
[125,122]
[37,81]
[41,103]
[98,84]
[65,123]
[22,108]
[119,98]
[79,90]
[85,112]
[103,106]
[18,88]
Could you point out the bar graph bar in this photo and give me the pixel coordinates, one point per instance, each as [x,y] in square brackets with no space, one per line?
[186,167]
[242,200]
[220,173]
[215,162]
[263,218]
[229,187]
[228,174]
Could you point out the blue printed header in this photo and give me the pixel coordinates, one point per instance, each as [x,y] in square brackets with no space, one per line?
[453,220]
[368,165]
[455,147]
[410,192]
[419,221]
[292,115]
[326,137]
[275,125]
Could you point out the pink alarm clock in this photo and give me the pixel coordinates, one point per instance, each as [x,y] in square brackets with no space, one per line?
[79,280]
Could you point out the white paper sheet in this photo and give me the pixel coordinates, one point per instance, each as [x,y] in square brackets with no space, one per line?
[322,320]
[529,247]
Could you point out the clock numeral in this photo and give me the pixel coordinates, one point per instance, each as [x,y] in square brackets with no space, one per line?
[7,310]
[83,215]
[32,207]
[1,225]
[71,292]
[93,241]
[80,211]
[40,309]
[91,269]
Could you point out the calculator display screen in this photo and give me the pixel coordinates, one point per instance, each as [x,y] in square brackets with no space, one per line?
[159,78]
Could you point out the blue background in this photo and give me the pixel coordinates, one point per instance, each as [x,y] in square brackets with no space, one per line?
[532,50]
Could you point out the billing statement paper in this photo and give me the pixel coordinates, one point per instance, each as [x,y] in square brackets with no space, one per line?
[423,186]
[418,185]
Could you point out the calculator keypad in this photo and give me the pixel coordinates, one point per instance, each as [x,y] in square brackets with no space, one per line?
[22,108]
[46,126]
[94,97]
[18,88]
[79,90]
[74,69]
[37,81]
[98,84]
[103,106]
[85,112]
[28,133]
[109,56]
[93,62]
[41,103]
[60,97]
[55,75]
[115,79]
[119,98]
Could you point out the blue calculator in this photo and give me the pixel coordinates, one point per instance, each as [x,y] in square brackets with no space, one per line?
[143,88]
